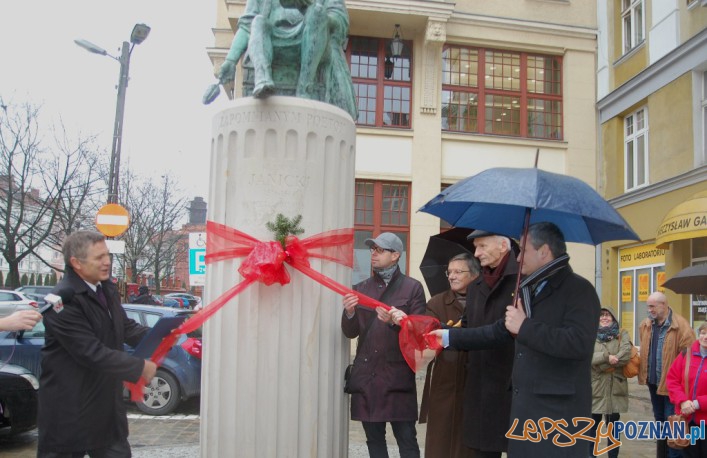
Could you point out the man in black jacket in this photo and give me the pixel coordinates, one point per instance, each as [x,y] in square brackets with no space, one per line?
[81,410]
[144,296]
[487,398]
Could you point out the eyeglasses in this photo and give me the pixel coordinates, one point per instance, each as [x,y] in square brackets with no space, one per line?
[379,250]
[605,314]
[447,273]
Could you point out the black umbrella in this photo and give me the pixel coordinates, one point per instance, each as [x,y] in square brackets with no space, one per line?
[692,280]
[440,249]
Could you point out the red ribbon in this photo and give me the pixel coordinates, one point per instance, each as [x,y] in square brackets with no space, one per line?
[264,262]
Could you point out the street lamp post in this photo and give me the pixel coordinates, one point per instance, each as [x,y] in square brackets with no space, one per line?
[138,35]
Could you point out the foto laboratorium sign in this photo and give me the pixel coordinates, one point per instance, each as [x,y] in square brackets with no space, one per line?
[641,256]
[197,263]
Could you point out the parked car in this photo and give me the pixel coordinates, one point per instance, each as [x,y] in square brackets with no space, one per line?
[18,399]
[178,379]
[192,300]
[169,301]
[35,292]
[11,301]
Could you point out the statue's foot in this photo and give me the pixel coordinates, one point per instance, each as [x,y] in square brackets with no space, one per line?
[264,89]
[306,91]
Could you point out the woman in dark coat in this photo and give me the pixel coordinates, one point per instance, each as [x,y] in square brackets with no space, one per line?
[443,395]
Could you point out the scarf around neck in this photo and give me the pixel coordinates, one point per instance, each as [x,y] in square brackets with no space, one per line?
[608,333]
[530,283]
[386,274]
[493,275]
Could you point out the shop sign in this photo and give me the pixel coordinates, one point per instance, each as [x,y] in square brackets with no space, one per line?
[643,287]
[626,288]
[639,256]
[659,280]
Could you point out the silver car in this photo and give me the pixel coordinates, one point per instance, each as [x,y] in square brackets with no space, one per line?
[11,301]
[35,292]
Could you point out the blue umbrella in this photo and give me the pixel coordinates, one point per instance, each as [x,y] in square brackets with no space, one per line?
[499,199]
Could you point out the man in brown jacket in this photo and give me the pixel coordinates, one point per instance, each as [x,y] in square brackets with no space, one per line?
[663,335]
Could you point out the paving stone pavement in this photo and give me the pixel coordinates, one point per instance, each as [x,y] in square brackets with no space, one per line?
[177,436]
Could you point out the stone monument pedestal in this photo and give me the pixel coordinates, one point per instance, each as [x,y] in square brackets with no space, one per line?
[274,357]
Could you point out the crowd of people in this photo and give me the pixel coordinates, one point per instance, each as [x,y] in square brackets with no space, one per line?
[554,352]
[551,353]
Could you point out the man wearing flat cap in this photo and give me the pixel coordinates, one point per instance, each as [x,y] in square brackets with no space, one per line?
[381,384]
[487,398]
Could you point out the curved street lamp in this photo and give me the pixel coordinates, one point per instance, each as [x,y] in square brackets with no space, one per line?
[138,35]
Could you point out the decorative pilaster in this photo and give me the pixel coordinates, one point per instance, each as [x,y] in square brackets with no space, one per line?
[435,36]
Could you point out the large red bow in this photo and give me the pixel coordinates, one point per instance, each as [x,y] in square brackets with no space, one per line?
[264,262]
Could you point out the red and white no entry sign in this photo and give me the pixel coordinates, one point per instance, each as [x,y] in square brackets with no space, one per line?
[112,220]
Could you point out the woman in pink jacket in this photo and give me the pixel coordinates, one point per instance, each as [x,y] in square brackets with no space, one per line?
[693,403]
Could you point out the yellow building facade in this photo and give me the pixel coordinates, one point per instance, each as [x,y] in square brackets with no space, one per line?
[652,81]
[477,85]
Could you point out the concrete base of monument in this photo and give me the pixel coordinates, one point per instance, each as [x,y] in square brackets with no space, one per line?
[275,355]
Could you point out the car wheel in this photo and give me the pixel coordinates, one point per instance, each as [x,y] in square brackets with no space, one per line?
[161,395]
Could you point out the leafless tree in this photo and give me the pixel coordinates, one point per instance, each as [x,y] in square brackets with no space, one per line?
[171,208]
[86,192]
[138,198]
[34,181]
[151,242]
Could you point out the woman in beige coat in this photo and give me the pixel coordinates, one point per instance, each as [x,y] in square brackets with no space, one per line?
[612,350]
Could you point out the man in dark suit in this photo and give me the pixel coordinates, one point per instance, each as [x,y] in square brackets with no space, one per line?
[81,410]
[554,328]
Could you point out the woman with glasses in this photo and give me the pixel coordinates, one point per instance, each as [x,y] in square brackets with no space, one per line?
[612,350]
[442,398]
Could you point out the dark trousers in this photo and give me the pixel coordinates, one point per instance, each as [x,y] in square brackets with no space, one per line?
[608,418]
[662,408]
[404,432]
[120,449]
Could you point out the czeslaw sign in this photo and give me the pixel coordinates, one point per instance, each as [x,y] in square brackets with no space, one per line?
[112,220]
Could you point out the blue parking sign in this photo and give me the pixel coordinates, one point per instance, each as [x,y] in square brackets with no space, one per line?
[197,263]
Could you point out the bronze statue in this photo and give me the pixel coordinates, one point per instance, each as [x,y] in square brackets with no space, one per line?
[292,47]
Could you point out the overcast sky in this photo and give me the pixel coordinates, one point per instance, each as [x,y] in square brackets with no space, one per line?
[165,127]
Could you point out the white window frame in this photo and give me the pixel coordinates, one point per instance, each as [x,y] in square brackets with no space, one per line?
[637,33]
[632,136]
